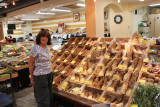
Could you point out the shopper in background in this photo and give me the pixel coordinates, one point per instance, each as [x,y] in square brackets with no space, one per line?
[40,69]
[30,37]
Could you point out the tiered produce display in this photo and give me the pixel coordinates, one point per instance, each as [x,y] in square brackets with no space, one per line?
[108,70]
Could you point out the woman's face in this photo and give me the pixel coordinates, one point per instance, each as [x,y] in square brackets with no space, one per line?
[44,40]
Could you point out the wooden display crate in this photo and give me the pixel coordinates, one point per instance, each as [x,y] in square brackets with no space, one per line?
[17,68]
[7,76]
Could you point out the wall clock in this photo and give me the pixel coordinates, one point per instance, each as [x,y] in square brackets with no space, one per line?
[118,19]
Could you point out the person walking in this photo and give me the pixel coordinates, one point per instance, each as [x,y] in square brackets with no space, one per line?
[40,69]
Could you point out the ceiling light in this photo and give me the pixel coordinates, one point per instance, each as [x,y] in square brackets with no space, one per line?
[30,19]
[94,0]
[118,1]
[61,10]
[15,21]
[45,13]
[80,4]
[13,3]
[154,5]
[141,0]
[5,6]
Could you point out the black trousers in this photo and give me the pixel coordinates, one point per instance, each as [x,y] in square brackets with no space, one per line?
[43,88]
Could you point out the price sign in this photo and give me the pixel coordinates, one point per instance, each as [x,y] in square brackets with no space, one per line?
[80,43]
[134,105]
[65,61]
[55,70]
[78,70]
[60,51]
[72,51]
[128,49]
[116,77]
[107,56]
[66,43]
[53,82]
[144,42]
[73,62]
[110,89]
[73,43]
[64,85]
[86,82]
[144,69]
[120,67]
[80,53]
[124,58]
[100,65]
[87,43]
[79,92]
[146,60]
[101,99]
[94,48]
[58,59]
[153,42]
[83,62]
[142,81]
[63,72]
[149,51]
[89,56]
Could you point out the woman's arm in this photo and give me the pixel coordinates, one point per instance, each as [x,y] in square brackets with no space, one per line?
[31,68]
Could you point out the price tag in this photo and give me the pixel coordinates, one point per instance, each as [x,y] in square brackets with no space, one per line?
[89,56]
[29,76]
[153,42]
[72,51]
[124,58]
[128,49]
[142,81]
[80,43]
[86,82]
[100,65]
[73,62]
[58,59]
[135,40]
[87,43]
[146,60]
[79,92]
[116,77]
[63,72]
[73,43]
[17,66]
[107,56]
[55,70]
[83,62]
[144,69]
[78,70]
[101,99]
[53,82]
[60,51]
[94,48]
[149,51]
[144,42]
[120,67]
[66,43]
[64,85]
[65,61]
[134,105]
[110,89]
[80,53]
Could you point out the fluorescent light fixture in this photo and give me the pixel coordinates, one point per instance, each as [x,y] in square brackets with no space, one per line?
[30,19]
[15,21]
[3,4]
[141,0]
[61,10]
[80,4]
[45,13]
[154,5]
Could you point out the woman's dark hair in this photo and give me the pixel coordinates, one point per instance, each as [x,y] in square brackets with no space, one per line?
[43,33]
[30,34]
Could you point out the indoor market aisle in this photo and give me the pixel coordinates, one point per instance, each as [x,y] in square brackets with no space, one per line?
[25,98]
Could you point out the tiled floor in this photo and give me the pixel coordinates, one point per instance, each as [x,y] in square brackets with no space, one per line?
[25,98]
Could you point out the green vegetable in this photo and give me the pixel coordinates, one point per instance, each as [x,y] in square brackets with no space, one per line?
[145,96]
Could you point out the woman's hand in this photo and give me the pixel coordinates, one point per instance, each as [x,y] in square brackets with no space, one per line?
[32,82]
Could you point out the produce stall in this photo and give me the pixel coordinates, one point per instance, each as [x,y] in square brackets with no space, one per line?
[101,70]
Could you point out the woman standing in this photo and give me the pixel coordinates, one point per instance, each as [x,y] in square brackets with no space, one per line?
[40,69]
